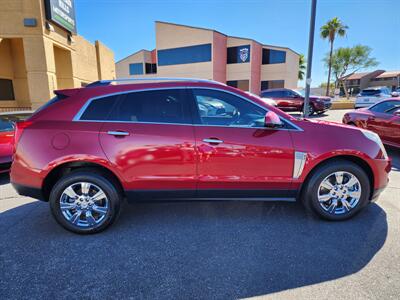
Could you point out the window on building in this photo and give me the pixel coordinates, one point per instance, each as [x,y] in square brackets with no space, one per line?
[6,89]
[99,109]
[184,55]
[270,56]
[151,68]
[272,84]
[239,54]
[239,84]
[156,106]
[136,69]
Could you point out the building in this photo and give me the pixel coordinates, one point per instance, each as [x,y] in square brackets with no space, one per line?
[359,81]
[40,52]
[186,51]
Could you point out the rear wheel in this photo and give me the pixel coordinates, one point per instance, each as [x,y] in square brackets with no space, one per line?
[337,190]
[311,109]
[85,202]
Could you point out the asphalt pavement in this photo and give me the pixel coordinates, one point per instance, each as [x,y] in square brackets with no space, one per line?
[204,250]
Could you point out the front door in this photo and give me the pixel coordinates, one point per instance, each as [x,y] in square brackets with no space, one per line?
[150,138]
[237,155]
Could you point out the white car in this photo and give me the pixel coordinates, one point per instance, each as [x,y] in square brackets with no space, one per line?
[372,95]
[269,101]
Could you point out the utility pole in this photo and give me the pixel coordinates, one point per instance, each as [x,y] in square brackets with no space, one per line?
[309,58]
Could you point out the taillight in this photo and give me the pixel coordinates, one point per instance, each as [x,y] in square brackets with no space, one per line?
[19,128]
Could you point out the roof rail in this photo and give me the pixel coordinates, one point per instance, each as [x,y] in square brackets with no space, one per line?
[109,82]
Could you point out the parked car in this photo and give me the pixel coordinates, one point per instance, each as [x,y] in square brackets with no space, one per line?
[91,148]
[382,118]
[268,101]
[371,95]
[293,100]
[396,93]
[7,125]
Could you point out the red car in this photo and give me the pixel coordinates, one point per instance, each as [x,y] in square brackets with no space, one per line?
[293,100]
[90,148]
[7,124]
[382,118]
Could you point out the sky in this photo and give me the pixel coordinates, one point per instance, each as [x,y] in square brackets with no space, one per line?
[127,26]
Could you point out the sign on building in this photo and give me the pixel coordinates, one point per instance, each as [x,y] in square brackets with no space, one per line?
[61,12]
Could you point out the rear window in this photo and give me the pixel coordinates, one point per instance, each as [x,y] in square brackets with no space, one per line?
[370,92]
[99,109]
[7,122]
[6,125]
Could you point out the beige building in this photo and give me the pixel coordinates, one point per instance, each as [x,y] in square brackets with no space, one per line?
[38,55]
[192,52]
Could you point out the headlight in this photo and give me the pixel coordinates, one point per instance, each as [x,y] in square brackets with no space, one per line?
[374,137]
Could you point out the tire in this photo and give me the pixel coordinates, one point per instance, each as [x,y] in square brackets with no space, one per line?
[311,110]
[103,211]
[315,190]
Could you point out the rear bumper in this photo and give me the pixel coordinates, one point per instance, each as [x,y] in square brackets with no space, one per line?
[28,191]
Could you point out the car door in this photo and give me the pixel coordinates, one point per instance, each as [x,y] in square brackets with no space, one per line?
[295,101]
[383,121]
[149,137]
[235,152]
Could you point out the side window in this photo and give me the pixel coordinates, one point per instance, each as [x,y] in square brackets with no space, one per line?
[155,106]
[387,107]
[224,109]
[99,109]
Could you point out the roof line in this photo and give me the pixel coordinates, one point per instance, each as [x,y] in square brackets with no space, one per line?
[229,36]
[132,54]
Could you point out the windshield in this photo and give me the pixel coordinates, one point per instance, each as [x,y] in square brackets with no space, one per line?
[300,92]
[370,92]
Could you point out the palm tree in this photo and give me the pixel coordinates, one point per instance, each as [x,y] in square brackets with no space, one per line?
[302,66]
[329,31]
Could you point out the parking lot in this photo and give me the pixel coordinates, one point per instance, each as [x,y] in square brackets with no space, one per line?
[205,250]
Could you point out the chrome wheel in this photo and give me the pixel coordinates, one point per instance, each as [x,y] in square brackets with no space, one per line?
[339,192]
[84,204]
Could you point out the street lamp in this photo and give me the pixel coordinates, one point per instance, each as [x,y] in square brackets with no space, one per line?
[309,58]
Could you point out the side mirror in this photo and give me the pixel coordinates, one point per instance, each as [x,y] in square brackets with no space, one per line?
[272,120]
[397,113]
[395,94]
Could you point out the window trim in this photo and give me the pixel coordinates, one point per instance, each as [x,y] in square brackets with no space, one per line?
[89,101]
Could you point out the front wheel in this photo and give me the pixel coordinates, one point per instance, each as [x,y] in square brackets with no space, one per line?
[85,202]
[337,190]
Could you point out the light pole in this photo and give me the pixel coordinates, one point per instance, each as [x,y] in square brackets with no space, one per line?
[309,58]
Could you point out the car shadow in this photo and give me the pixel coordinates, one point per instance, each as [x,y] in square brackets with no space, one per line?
[314,116]
[394,154]
[4,178]
[185,250]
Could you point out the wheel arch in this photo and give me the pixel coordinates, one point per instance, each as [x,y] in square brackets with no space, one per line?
[68,167]
[345,157]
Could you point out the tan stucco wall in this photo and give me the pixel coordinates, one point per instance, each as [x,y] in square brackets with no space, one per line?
[122,66]
[287,71]
[172,36]
[38,49]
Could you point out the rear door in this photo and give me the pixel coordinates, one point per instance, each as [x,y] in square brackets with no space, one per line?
[237,154]
[149,137]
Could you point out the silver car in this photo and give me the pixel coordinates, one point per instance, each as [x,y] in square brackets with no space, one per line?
[372,95]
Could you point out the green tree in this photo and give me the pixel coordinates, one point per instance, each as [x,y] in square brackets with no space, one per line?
[348,60]
[302,66]
[329,31]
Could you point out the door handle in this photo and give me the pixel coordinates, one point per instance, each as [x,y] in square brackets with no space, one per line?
[213,141]
[118,133]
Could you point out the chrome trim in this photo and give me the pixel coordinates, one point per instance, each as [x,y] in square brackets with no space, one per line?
[119,133]
[213,141]
[89,101]
[299,163]
[160,79]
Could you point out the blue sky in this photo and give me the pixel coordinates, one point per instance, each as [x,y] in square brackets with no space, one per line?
[127,25]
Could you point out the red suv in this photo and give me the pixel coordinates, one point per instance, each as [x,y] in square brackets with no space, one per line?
[293,100]
[90,148]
